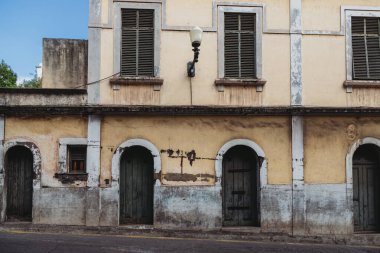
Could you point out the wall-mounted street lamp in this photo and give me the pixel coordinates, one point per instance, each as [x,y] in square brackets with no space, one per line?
[196,40]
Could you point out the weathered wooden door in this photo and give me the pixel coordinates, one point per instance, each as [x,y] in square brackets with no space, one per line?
[241,198]
[136,186]
[366,194]
[19,182]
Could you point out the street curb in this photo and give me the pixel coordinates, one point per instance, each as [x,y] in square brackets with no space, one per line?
[352,240]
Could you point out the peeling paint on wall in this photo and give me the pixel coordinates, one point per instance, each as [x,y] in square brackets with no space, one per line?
[243,96]
[369,97]
[135,95]
[184,177]
[190,156]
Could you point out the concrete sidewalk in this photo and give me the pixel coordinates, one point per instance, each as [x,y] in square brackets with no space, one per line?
[241,234]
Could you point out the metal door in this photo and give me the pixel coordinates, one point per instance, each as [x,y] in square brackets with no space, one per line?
[136,186]
[19,179]
[241,187]
[366,191]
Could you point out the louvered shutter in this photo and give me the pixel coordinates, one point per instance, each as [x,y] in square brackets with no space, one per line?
[137,45]
[239,45]
[366,48]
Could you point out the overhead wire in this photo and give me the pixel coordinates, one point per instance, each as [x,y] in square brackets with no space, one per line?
[95,82]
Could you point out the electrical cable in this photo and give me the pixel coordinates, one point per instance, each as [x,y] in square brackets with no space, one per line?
[191,92]
[95,82]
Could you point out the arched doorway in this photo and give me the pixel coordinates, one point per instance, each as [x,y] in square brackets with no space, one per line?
[241,187]
[366,188]
[136,186]
[19,181]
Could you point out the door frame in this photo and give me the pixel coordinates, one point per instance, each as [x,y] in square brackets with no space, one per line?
[262,165]
[349,176]
[115,184]
[37,166]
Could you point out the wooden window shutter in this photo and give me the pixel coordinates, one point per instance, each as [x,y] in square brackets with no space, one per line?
[240,45]
[366,48]
[137,42]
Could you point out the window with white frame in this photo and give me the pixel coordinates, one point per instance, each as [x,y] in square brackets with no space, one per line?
[365,39]
[137,39]
[72,155]
[239,42]
[362,47]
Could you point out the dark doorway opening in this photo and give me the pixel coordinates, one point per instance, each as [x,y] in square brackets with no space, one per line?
[241,187]
[136,186]
[19,183]
[366,188]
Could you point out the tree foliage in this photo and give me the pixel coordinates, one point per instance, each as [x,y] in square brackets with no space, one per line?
[33,83]
[8,78]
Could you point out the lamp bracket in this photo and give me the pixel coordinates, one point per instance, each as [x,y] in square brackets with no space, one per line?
[191,65]
[191,69]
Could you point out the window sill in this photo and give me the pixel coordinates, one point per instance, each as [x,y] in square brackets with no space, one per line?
[69,178]
[155,82]
[351,84]
[258,83]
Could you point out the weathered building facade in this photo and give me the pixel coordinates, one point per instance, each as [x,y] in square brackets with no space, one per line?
[279,128]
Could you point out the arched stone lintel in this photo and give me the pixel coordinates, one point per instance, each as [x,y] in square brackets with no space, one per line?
[130,143]
[37,160]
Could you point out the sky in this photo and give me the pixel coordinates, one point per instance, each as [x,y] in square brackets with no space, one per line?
[23,24]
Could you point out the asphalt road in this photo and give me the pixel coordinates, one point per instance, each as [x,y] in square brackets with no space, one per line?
[59,243]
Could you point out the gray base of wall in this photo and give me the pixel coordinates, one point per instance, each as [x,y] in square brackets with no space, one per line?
[188,207]
[61,206]
[276,208]
[328,210]
[109,211]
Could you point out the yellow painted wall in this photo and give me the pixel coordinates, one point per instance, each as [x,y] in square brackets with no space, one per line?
[327,142]
[324,56]
[45,133]
[324,70]
[204,135]
[324,60]
[325,14]
[176,52]
[182,13]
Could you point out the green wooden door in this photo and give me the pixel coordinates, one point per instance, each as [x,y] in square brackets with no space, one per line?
[366,189]
[19,178]
[240,187]
[136,186]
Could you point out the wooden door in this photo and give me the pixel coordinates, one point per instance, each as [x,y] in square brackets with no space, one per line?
[366,191]
[241,198]
[19,179]
[136,186]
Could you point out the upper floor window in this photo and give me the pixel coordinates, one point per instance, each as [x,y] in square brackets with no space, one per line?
[137,28]
[239,42]
[137,42]
[365,32]
[239,45]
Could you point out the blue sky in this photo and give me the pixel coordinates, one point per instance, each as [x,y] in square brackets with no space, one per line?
[23,24]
